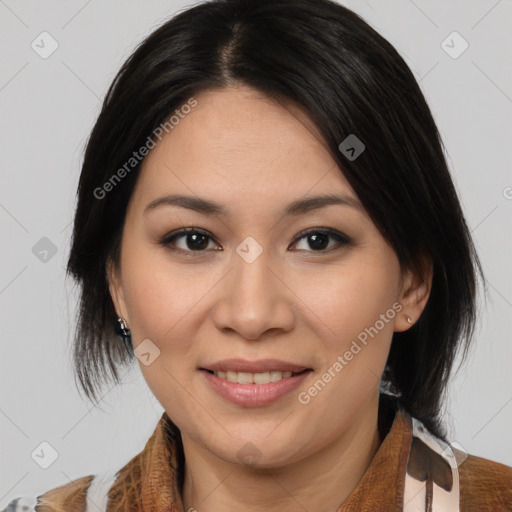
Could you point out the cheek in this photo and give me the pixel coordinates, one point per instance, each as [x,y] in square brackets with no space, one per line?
[159,296]
[160,304]
[353,310]
[350,299]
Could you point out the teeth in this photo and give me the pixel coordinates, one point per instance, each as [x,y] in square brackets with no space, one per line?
[253,378]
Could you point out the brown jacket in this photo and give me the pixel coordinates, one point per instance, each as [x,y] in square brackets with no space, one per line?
[411,471]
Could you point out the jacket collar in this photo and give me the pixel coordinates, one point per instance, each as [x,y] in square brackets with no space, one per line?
[154,477]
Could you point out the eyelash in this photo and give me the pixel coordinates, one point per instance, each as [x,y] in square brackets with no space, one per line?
[341,239]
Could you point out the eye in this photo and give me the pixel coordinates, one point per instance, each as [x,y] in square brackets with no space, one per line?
[318,239]
[196,240]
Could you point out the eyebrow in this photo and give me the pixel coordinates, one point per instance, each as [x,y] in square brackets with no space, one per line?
[298,207]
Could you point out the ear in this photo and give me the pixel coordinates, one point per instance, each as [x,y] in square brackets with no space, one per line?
[115,285]
[414,295]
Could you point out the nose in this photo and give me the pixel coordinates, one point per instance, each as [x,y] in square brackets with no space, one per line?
[255,300]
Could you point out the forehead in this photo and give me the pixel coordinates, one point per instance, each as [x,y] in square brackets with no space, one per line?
[238,144]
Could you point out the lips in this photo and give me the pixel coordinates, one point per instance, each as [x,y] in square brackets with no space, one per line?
[259,392]
[261,366]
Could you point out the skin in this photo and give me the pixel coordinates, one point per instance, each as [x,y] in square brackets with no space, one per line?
[296,303]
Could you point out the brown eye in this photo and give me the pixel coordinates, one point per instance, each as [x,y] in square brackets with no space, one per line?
[318,239]
[194,240]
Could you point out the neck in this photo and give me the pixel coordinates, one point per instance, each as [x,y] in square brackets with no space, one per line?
[320,482]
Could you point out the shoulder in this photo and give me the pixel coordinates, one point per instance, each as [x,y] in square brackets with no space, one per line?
[70,497]
[116,486]
[445,476]
[485,484]
[84,493]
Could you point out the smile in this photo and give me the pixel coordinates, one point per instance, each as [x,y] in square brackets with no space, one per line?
[253,389]
[254,378]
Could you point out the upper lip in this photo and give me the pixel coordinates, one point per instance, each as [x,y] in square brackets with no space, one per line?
[261,366]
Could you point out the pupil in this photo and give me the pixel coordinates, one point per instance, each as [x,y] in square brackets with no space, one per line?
[195,237]
[322,237]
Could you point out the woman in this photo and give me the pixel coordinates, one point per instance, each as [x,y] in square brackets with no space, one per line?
[301,351]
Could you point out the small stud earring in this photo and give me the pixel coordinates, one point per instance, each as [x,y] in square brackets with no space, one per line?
[409,319]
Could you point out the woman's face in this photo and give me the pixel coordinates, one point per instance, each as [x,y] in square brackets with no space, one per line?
[251,285]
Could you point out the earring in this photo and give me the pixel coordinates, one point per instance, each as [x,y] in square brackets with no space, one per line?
[409,319]
[122,328]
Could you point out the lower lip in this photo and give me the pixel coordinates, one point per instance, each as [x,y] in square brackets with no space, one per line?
[253,395]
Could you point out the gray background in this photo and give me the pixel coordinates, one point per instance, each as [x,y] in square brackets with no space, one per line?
[48,108]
